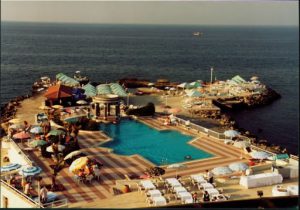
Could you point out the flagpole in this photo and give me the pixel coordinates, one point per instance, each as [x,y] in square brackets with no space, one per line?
[211,76]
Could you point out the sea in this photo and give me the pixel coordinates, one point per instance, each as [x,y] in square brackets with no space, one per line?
[107,53]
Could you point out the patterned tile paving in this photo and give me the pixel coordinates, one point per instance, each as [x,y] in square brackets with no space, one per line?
[116,166]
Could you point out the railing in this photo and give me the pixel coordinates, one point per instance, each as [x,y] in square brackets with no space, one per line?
[21,194]
[20,151]
[63,203]
[201,129]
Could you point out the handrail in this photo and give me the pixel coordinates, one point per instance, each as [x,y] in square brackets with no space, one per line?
[53,204]
[21,194]
[27,159]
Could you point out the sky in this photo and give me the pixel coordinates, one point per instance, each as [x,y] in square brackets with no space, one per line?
[154,12]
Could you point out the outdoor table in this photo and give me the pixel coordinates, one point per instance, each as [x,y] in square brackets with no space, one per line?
[258,180]
[278,191]
[154,193]
[212,191]
[293,189]
[148,185]
[179,189]
[159,201]
[206,186]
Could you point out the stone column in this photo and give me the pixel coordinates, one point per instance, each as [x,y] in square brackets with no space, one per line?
[97,110]
[105,111]
[108,109]
[118,110]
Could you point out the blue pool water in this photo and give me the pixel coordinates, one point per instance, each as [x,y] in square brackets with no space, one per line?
[160,147]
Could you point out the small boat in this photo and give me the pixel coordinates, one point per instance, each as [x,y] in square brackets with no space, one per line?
[81,79]
[198,33]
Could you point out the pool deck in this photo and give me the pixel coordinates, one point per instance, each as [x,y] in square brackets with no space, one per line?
[117,166]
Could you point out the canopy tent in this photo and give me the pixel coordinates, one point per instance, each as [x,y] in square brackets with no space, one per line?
[195,84]
[104,89]
[67,80]
[58,91]
[89,90]
[117,89]
[193,93]
[238,79]
[183,85]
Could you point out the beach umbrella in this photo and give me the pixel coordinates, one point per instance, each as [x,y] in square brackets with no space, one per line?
[231,133]
[30,171]
[78,164]
[22,135]
[15,120]
[260,155]
[37,143]
[60,148]
[238,166]
[176,166]
[221,170]
[73,154]
[10,167]
[56,132]
[241,144]
[57,107]
[36,130]
[81,102]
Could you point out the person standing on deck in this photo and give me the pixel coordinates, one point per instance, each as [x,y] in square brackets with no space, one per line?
[210,177]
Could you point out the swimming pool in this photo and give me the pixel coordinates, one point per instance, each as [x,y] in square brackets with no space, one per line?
[160,147]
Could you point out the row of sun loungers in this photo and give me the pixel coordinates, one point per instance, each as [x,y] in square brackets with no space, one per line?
[159,193]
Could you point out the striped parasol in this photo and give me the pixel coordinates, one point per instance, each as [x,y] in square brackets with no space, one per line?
[30,171]
[10,167]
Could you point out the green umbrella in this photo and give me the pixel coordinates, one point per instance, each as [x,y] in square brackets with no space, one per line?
[55,132]
[38,143]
